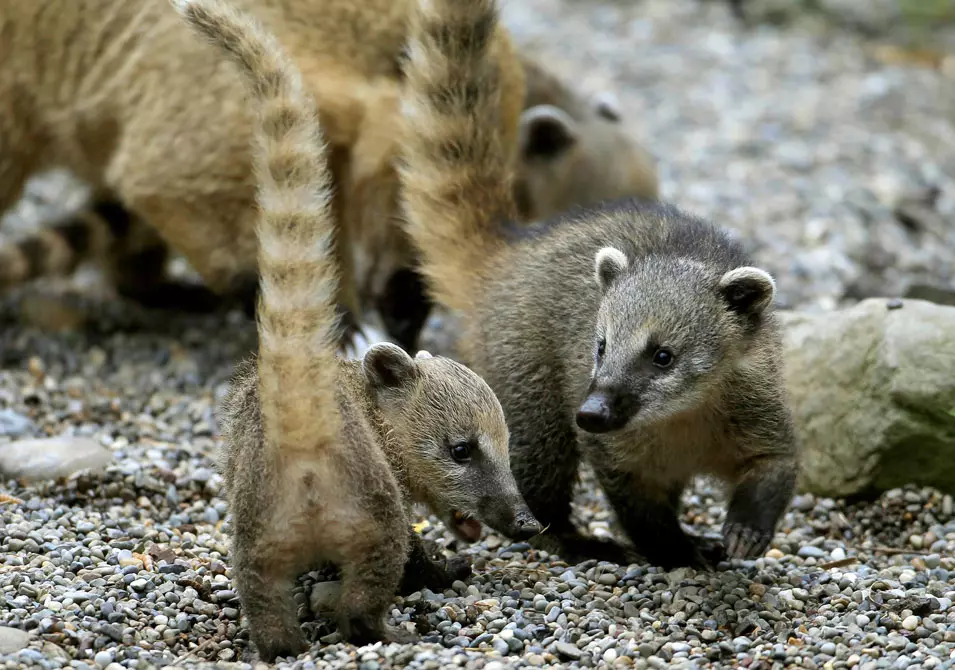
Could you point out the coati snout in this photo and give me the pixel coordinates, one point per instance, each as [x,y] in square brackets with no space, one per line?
[601,413]
[460,465]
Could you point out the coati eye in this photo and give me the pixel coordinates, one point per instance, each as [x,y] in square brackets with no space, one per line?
[662,358]
[461,451]
[601,347]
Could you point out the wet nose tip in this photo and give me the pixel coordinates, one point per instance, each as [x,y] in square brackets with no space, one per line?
[594,414]
[526,525]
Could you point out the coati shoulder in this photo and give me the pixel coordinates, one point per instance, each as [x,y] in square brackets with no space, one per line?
[629,334]
[324,457]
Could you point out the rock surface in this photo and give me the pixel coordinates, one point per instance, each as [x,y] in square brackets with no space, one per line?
[13,640]
[51,458]
[873,393]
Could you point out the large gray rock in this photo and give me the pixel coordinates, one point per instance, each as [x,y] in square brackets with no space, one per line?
[873,393]
[39,459]
[13,640]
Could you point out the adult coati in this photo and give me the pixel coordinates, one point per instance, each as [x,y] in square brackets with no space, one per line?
[324,456]
[630,334]
[117,92]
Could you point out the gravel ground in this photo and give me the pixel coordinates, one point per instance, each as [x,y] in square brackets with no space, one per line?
[797,139]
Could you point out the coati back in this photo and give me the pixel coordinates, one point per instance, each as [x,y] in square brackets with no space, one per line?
[323,457]
[157,127]
[629,334]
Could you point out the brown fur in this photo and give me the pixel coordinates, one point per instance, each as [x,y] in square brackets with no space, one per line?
[323,457]
[571,323]
[154,122]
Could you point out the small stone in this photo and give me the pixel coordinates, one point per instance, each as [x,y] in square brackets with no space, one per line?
[810,551]
[568,650]
[911,622]
[774,553]
[103,658]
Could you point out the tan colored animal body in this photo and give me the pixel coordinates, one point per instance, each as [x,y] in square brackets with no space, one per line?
[115,91]
[628,334]
[323,457]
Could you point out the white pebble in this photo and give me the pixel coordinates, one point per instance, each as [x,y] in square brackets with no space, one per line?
[911,622]
[103,658]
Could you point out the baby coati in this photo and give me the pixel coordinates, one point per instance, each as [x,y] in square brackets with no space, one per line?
[324,456]
[629,334]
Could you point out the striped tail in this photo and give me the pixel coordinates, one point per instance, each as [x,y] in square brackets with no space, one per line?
[297,319]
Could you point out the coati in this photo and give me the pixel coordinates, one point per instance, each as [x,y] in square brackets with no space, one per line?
[117,92]
[158,128]
[629,334]
[323,456]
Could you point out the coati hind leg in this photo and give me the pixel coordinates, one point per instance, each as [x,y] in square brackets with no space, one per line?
[265,588]
[759,498]
[371,576]
[650,517]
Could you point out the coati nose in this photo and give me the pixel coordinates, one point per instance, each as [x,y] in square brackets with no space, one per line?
[594,415]
[526,525]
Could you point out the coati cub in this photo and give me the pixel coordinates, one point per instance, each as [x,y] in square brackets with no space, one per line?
[323,456]
[629,334]
[578,144]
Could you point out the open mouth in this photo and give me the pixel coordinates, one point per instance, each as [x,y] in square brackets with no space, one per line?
[465,526]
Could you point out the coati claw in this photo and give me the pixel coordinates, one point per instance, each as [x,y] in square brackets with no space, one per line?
[744,542]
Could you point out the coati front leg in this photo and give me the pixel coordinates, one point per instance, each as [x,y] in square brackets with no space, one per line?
[422,570]
[136,258]
[759,499]
[546,469]
[650,517]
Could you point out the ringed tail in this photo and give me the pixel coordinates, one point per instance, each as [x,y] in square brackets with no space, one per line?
[298,278]
[455,172]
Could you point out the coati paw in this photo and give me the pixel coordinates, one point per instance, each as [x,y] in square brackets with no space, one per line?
[400,635]
[286,644]
[459,568]
[576,548]
[436,575]
[745,542]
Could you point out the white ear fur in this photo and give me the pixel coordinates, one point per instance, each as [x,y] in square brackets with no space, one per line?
[748,289]
[607,105]
[421,355]
[546,130]
[609,264]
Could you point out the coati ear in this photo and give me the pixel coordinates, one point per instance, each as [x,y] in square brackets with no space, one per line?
[607,106]
[387,365]
[609,264]
[748,290]
[546,131]
[422,355]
